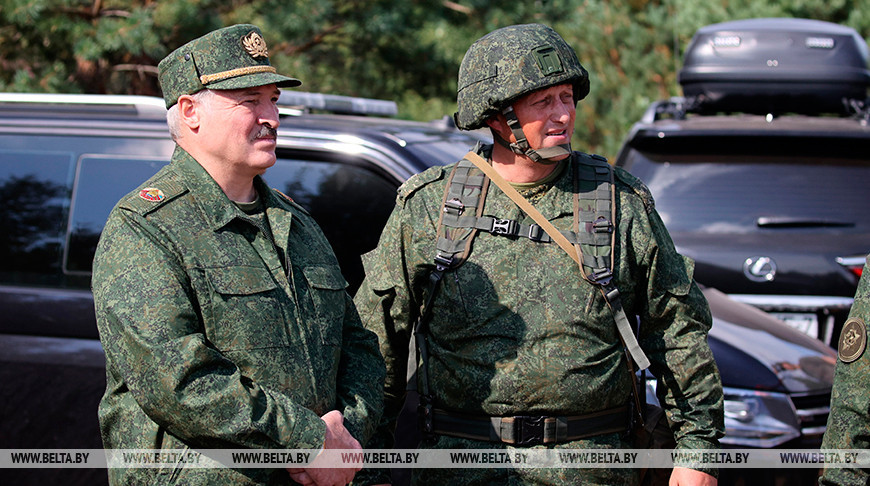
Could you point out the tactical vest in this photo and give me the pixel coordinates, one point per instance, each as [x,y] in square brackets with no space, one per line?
[462,206]
[461,219]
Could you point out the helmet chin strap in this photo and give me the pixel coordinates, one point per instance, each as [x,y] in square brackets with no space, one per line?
[521,146]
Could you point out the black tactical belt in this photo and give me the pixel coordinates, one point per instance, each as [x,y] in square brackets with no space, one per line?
[529,430]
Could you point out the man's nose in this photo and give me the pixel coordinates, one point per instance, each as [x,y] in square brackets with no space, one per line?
[270,117]
[562,112]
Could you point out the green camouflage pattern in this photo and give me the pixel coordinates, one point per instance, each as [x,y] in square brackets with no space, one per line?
[238,47]
[210,342]
[526,476]
[510,62]
[849,421]
[517,330]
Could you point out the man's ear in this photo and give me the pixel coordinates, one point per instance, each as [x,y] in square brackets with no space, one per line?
[498,124]
[189,112]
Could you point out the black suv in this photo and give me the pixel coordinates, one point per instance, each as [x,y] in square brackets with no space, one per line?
[761,171]
[66,160]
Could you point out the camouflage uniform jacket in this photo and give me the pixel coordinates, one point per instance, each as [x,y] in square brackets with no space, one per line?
[218,337]
[517,330]
[849,421]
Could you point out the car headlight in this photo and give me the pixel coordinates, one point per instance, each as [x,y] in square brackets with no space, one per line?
[752,418]
[759,419]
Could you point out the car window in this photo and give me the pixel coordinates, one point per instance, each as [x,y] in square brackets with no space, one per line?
[439,149]
[349,201]
[734,193]
[101,182]
[34,185]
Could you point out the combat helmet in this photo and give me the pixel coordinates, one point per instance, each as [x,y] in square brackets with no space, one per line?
[508,63]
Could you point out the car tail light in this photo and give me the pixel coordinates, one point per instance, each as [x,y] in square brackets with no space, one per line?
[855,265]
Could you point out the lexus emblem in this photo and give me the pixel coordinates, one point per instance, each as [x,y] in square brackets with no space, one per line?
[759,269]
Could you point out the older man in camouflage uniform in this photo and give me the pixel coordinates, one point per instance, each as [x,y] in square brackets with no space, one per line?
[220,304]
[516,333]
[849,422]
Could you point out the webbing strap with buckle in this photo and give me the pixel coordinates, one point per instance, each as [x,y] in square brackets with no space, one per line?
[595,212]
[594,207]
[530,430]
[463,202]
[463,199]
[418,348]
[502,227]
[542,155]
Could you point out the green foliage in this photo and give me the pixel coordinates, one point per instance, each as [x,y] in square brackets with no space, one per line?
[407,50]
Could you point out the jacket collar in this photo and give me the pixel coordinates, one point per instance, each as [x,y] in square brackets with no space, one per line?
[217,208]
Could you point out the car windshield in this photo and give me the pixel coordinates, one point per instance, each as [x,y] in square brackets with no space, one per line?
[734,193]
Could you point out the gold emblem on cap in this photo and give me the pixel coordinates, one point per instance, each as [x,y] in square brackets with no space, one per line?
[255,45]
[853,340]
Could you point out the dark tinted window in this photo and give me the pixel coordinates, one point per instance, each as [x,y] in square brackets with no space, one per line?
[440,148]
[34,187]
[350,202]
[736,193]
[101,182]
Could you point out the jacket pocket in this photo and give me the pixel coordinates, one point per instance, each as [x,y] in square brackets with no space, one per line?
[377,273]
[246,311]
[326,286]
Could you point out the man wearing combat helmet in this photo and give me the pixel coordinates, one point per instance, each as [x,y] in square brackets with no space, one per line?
[517,345]
[220,304]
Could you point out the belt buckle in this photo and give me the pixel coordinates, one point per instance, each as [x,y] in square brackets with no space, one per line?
[528,430]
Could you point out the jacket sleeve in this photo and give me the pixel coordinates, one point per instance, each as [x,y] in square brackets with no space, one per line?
[386,306]
[674,322]
[677,322]
[849,421]
[156,347]
[360,377]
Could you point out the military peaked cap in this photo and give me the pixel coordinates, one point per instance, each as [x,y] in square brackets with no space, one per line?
[230,58]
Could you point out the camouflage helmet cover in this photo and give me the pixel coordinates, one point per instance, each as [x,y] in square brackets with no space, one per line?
[511,62]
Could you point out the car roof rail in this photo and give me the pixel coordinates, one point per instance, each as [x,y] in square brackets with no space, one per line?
[89,104]
[673,108]
[677,108]
[299,102]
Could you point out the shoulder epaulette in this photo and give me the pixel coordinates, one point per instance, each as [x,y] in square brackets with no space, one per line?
[418,181]
[152,195]
[637,186]
[594,159]
[289,200]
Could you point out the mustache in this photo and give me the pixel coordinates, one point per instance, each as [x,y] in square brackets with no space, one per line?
[267,132]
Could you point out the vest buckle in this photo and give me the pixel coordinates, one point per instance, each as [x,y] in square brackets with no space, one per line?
[601,277]
[454,206]
[536,233]
[507,227]
[602,225]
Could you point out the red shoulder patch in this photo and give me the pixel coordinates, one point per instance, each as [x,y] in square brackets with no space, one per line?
[152,194]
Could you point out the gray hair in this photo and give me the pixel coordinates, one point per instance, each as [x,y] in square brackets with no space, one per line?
[173,118]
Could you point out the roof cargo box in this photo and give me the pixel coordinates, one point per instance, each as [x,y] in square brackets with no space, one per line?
[775,65]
